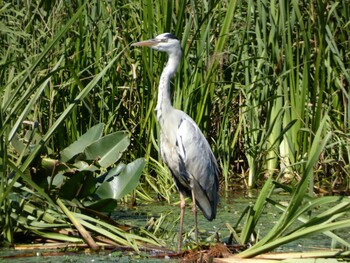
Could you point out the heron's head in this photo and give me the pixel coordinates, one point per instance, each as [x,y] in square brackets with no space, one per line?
[165,42]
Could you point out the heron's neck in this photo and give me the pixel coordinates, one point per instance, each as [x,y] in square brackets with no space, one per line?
[164,101]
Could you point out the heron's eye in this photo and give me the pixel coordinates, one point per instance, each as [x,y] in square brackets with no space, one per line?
[164,40]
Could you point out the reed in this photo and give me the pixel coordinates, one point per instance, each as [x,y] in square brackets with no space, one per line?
[261,79]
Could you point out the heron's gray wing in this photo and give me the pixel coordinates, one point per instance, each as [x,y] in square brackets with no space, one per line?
[200,165]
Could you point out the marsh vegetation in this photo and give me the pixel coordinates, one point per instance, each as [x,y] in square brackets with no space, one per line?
[266,81]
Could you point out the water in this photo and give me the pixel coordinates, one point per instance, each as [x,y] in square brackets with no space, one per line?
[163,219]
[229,212]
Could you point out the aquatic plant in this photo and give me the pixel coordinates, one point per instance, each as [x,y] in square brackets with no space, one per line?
[39,186]
[261,79]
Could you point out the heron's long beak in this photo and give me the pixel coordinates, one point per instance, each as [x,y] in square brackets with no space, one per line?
[146,43]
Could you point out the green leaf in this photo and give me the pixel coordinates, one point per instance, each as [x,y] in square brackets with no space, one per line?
[104,205]
[85,140]
[108,149]
[57,180]
[124,180]
[35,97]
[84,166]
[57,236]
[66,113]
[88,186]
[79,185]
[255,214]
[315,229]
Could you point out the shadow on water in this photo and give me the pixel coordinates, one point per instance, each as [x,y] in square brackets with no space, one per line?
[163,220]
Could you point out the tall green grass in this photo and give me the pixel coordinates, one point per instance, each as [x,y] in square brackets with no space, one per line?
[259,78]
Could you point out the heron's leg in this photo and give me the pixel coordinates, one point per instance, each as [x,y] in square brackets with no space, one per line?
[182,214]
[194,209]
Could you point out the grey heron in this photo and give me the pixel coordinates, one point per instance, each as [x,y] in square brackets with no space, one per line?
[183,146]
